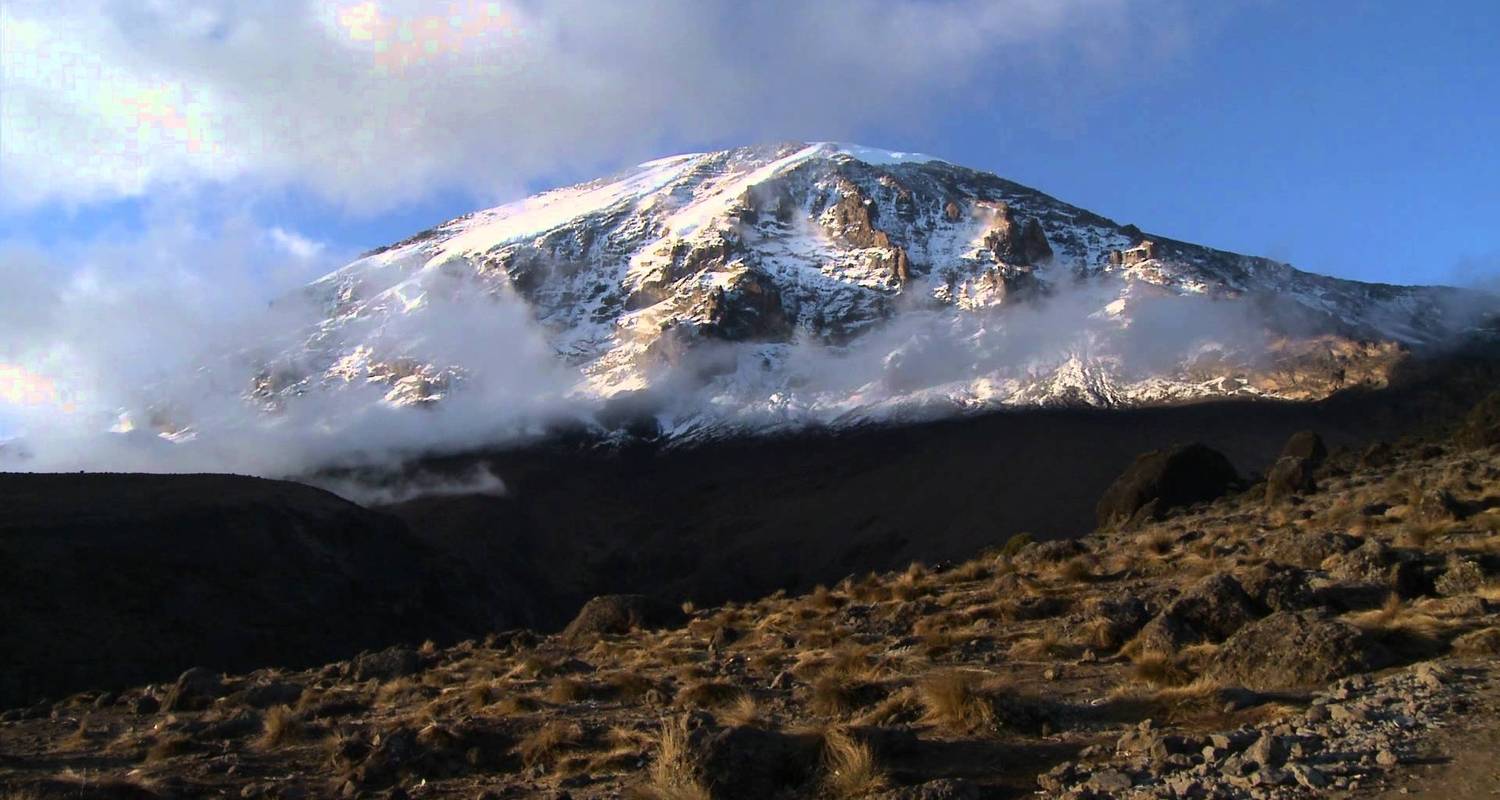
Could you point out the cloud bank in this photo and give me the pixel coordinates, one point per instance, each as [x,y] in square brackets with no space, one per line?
[371,104]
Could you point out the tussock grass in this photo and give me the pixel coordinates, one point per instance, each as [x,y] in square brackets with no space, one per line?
[168,746]
[1077,569]
[545,746]
[1043,646]
[1158,671]
[743,713]
[955,702]
[281,727]
[676,773]
[710,694]
[1396,616]
[850,769]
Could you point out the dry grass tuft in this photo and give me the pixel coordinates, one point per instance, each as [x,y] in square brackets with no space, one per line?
[849,767]
[1159,671]
[676,773]
[545,746]
[912,583]
[170,745]
[1075,570]
[1158,542]
[710,694]
[955,702]
[1398,617]
[282,726]
[1041,647]
[743,713]
[568,690]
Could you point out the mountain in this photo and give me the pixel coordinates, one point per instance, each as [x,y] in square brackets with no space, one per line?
[826,283]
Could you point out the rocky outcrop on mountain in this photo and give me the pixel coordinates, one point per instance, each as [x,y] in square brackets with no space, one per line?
[1014,241]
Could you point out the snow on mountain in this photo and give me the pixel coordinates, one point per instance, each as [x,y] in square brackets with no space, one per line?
[780,285]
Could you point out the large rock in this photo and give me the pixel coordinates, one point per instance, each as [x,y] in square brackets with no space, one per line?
[1210,611]
[1278,587]
[1481,428]
[1289,477]
[1290,650]
[1308,445]
[1310,549]
[194,690]
[1178,476]
[613,614]
[747,763]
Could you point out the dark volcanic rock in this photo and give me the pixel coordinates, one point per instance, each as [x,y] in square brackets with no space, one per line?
[619,613]
[194,690]
[1308,445]
[1278,587]
[1294,650]
[748,763]
[1481,428]
[1178,476]
[1212,610]
[1289,476]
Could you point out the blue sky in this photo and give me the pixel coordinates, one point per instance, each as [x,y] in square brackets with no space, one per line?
[1357,139]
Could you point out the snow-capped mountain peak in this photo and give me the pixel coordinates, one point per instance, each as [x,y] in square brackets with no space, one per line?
[823,282]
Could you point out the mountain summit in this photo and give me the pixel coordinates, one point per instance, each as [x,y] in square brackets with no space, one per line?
[825,282]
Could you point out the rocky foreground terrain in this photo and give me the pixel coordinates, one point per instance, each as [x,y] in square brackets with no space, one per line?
[1330,630]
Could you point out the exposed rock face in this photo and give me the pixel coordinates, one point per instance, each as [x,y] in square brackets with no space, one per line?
[617,614]
[1210,611]
[1292,650]
[1014,241]
[1133,256]
[851,221]
[748,308]
[1166,479]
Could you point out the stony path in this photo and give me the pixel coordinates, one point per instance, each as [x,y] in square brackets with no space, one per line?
[1462,760]
[1363,737]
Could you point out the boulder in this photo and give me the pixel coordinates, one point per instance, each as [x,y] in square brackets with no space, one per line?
[614,614]
[1171,478]
[1312,549]
[194,690]
[1461,576]
[1481,428]
[1374,564]
[1278,587]
[1289,476]
[1291,650]
[1210,611]
[385,665]
[1308,445]
[1377,455]
[748,763]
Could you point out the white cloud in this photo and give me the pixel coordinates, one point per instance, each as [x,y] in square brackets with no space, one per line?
[295,244]
[372,104]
